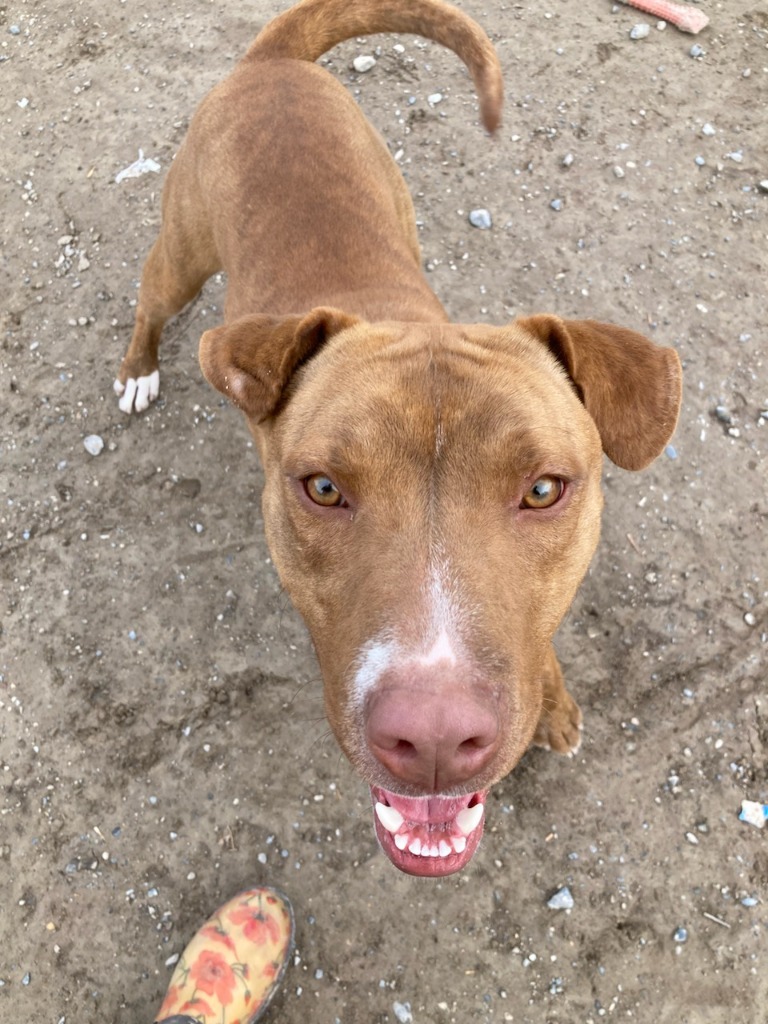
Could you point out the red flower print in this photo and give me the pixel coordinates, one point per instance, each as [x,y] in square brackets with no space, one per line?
[213,975]
[257,927]
[214,932]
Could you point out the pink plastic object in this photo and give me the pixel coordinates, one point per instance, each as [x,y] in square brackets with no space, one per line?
[687,19]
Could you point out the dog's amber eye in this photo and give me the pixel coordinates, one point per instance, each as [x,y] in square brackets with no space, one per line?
[544,492]
[322,490]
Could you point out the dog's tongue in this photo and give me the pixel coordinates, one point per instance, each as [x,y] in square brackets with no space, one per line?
[431,835]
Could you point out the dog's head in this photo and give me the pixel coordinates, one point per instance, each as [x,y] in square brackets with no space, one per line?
[432,502]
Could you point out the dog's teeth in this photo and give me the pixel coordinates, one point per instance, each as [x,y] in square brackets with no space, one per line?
[389,817]
[444,849]
[459,844]
[401,841]
[469,818]
[415,847]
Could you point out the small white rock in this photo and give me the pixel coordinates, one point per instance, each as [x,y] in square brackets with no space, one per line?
[753,813]
[618,171]
[708,129]
[480,219]
[94,445]
[436,97]
[639,31]
[364,63]
[562,900]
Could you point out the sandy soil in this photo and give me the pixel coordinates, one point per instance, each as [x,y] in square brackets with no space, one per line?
[161,732]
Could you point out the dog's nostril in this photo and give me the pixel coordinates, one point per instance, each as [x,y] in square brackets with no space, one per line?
[473,744]
[405,748]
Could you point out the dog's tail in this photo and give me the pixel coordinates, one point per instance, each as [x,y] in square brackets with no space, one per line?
[311,27]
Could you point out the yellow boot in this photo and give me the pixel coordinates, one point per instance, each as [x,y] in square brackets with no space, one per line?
[234,964]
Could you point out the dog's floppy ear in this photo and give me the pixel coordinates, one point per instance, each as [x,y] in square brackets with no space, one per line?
[631,388]
[252,359]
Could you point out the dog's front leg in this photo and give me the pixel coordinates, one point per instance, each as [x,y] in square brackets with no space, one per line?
[559,727]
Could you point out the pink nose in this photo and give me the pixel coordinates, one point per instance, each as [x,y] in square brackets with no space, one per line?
[436,739]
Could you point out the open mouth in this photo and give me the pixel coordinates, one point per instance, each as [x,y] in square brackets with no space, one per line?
[430,835]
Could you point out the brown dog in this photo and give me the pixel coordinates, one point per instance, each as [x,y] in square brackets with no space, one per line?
[432,495]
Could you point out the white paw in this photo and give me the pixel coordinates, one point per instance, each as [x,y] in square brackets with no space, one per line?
[138,392]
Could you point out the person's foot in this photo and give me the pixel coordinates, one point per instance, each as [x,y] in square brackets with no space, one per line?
[234,964]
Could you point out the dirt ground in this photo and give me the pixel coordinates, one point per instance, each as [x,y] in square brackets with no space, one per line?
[161,731]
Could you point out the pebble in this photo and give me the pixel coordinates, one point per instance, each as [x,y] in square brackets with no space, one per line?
[14,30]
[480,219]
[364,63]
[568,159]
[708,129]
[753,813]
[93,444]
[403,1012]
[763,185]
[640,31]
[681,935]
[562,900]
[750,618]
[700,161]
[696,50]
[618,171]
[557,205]
[434,98]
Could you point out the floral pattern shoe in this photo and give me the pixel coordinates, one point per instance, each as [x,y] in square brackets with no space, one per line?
[233,966]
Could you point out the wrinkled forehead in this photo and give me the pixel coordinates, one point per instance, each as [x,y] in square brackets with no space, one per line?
[415,389]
